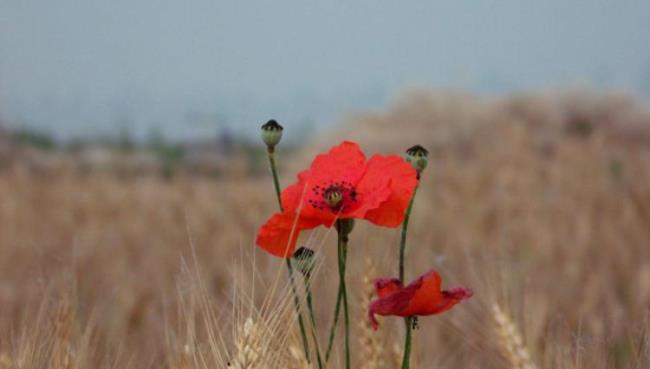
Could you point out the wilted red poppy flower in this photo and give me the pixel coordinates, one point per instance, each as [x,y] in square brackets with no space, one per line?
[422,297]
[340,184]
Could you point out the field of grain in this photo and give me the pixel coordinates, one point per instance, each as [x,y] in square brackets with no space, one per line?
[540,204]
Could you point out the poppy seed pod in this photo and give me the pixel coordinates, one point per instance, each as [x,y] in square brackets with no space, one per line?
[271,133]
[333,198]
[418,157]
[305,260]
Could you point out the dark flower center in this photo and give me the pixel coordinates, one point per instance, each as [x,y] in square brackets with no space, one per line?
[333,196]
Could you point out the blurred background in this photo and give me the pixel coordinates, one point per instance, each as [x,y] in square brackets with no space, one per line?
[79,70]
[129,141]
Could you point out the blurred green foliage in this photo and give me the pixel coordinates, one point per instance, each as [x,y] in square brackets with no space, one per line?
[33,138]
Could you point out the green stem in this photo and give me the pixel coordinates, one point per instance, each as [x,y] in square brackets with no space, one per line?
[342,256]
[296,299]
[402,244]
[276,182]
[337,311]
[310,306]
[406,360]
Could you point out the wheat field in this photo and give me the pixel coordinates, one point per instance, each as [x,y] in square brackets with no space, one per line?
[539,203]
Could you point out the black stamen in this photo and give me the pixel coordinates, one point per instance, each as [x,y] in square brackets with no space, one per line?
[414,323]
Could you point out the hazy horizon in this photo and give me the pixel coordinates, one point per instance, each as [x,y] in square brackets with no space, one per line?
[76,68]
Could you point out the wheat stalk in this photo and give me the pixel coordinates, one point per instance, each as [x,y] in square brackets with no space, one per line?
[250,351]
[511,341]
[369,340]
[297,358]
[63,354]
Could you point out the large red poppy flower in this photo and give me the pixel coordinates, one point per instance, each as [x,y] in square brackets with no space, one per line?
[421,297]
[340,184]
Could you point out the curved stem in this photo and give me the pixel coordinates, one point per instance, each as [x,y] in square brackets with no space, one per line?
[310,306]
[337,311]
[296,299]
[402,244]
[406,359]
[342,256]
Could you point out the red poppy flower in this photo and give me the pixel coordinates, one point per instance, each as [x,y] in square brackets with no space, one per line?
[340,184]
[422,297]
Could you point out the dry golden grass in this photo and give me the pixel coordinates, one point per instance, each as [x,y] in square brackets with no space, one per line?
[371,344]
[511,341]
[541,204]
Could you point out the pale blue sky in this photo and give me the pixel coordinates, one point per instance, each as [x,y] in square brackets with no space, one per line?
[85,66]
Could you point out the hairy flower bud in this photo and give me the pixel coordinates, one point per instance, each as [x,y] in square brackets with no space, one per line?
[305,260]
[418,157]
[271,133]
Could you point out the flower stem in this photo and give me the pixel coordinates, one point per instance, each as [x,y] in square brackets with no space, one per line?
[296,299]
[402,244]
[342,256]
[337,311]
[406,360]
[274,171]
[310,306]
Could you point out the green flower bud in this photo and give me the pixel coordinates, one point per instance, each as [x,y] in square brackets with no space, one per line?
[271,133]
[305,260]
[418,157]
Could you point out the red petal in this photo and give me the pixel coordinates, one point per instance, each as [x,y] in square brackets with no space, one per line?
[387,188]
[279,234]
[453,296]
[429,299]
[343,162]
[386,286]
[293,195]
[427,294]
[393,304]
[421,297]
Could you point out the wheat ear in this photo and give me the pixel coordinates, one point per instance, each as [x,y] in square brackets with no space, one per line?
[511,341]
[369,340]
[250,351]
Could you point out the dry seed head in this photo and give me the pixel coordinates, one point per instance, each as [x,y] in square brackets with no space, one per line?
[63,351]
[250,348]
[369,340]
[511,341]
